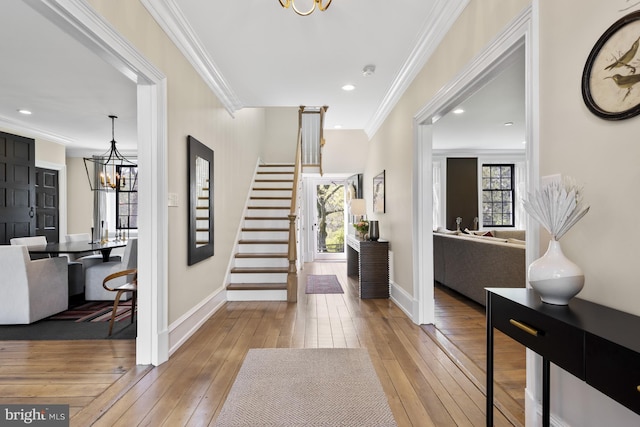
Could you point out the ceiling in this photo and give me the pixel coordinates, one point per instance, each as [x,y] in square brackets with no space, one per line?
[252,53]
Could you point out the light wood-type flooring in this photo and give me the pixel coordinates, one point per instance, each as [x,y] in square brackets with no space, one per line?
[99,379]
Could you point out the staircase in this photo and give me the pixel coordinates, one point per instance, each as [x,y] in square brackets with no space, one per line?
[260,266]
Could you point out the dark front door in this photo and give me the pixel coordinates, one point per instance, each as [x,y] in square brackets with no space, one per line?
[17,187]
[47,200]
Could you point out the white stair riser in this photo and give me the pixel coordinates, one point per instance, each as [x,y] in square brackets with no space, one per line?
[277,176]
[261,262]
[261,249]
[266,295]
[258,278]
[286,185]
[271,193]
[265,235]
[266,223]
[270,202]
[268,212]
[283,168]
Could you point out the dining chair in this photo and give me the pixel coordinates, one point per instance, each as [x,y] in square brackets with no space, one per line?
[75,277]
[87,260]
[30,290]
[121,288]
[95,274]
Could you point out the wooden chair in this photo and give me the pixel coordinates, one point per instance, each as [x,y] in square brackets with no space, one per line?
[131,286]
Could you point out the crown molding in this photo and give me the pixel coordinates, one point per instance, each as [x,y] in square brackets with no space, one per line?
[442,17]
[29,131]
[171,19]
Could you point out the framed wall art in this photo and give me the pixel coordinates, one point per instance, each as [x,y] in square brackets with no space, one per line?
[612,72]
[352,190]
[378,193]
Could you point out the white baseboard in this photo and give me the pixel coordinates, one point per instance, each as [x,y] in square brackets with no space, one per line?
[190,322]
[404,301]
[533,413]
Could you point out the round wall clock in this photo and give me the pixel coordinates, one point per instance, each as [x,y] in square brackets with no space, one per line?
[611,77]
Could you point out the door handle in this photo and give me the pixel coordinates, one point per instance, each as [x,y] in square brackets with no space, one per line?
[31,212]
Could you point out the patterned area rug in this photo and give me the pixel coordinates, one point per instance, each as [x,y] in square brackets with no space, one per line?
[306,387]
[94,311]
[323,284]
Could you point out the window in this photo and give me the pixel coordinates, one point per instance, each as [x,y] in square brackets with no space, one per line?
[127,198]
[497,195]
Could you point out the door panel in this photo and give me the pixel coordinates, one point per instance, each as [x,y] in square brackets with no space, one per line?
[17,187]
[47,216]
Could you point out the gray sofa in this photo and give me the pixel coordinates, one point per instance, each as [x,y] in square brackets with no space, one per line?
[470,263]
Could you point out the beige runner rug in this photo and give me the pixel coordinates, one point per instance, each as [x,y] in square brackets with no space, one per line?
[306,387]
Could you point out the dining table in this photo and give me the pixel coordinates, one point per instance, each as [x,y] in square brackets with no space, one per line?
[78,247]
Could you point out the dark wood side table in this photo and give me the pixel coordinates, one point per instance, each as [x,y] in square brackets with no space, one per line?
[597,344]
[370,262]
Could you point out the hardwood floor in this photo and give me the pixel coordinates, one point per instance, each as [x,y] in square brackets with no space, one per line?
[100,381]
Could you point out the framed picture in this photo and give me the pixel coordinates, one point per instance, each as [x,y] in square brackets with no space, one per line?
[352,190]
[378,193]
[612,71]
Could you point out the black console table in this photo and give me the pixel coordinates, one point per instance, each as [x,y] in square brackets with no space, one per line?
[595,343]
[369,260]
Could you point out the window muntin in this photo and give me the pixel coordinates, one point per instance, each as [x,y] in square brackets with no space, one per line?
[498,195]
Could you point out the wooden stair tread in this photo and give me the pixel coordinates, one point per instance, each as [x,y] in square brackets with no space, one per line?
[256,286]
[273,180]
[275,172]
[269,207]
[266,218]
[271,189]
[277,165]
[263,242]
[255,270]
[261,255]
[270,198]
[265,229]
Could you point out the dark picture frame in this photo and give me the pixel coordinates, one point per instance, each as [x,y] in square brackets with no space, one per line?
[379,203]
[612,71]
[201,215]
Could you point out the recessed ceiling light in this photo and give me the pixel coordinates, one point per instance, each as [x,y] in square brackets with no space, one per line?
[508,124]
[23,111]
[458,111]
[337,127]
[524,142]
[348,87]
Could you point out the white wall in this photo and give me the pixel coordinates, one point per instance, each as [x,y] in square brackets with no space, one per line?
[280,136]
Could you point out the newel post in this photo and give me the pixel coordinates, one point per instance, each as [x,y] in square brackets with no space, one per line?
[292,274]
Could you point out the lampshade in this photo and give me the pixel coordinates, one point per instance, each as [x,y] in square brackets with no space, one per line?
[357,207]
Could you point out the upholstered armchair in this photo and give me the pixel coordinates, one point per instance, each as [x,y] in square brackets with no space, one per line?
[76,273]
[31,290]
[95,274]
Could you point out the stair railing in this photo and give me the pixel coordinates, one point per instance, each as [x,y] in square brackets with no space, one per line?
[311,122]
[292,273]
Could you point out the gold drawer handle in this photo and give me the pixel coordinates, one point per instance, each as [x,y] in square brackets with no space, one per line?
[528,329]
[639,388]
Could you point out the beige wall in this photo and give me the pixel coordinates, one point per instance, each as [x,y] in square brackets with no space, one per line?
[79,197]
[281,134]
[391,148]
[345,151]
[602,155]
[194,110]
[51,152]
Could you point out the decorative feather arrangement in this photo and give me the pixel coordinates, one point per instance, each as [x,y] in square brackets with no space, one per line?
[557,206]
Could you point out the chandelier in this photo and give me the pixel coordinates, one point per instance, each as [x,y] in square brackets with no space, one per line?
[287,3]
[105,172]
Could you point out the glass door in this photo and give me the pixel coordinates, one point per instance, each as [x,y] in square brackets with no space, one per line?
[328,226]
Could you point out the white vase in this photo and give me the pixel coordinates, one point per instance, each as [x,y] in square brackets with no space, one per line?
[556,278]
